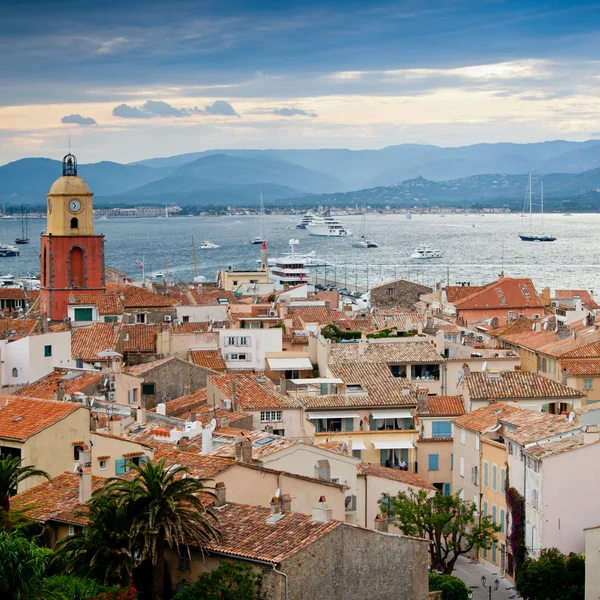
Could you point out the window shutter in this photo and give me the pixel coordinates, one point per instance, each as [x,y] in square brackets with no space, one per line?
[349,424]
[503,480]
[434,462]
[143,460]
[121,466]
[446,489]
[502,519]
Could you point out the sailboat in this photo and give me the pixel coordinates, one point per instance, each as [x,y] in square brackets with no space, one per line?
[259,239]
[531,236]
[24,239]
[364,242]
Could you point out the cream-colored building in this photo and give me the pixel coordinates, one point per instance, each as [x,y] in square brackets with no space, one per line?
[232,280]
[112,454]
[592,563]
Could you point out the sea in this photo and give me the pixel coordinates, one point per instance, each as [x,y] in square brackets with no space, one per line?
[476,248]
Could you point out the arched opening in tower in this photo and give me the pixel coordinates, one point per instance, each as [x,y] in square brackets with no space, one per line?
[45,267]
[76,263]
[74,223]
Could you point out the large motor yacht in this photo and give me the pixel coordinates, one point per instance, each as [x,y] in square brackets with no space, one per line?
[327,226]
[424,252]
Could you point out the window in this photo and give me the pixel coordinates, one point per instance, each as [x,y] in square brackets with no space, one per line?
[588,384]
[503,481]
[462,467]
[76,267]
[452,462]
[186,319]
[103,465]
[270,415]
[494,553]
[495,478]
[121,466]
[486,474]
[76,451]
[434,460]
[534,499]
[47,350]
[74,223]
[494,513]
[446,489]
[15,372]
[485,553]
[356,453]
[390,292]
[475,475]
[245,341]
[131,395]
[140,317]
[441,429]
[237,356]
[485,508]
[502,519]
[84,314]
[185,564]
[79,363]
[148,389]
[111,319]
[476,441]
[462,437]
[230,341]
[73,529]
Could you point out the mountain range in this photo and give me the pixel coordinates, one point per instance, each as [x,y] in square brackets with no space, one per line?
[224,177]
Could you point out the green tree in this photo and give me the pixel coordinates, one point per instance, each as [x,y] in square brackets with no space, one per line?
[23,565]
[167,511]
[105,547]
[229,581]
[453,587]
[553,576]
[447,521]
[69,587]
[12,473]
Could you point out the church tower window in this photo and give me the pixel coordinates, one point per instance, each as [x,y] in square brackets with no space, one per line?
[76,267]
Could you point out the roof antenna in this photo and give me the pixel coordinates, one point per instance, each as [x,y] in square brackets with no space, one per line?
[69,143]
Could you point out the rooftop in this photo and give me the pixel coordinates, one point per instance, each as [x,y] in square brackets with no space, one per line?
[21,418]
[385,352]
[140,337]
[444,406]
[503,294]
[586,298]
[15,329]
[532,426]
[263,444]
[137,297]
[107,304]
[486,417]
[579,368]
[211,359]
[406,477]
[87,342]
[509,385]
[142,369]
[69,382]
[554,447]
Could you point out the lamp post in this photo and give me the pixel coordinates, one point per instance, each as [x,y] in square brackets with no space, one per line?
[495,585]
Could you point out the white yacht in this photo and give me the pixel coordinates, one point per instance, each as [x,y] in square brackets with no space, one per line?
[309,259]
[327,226]
[408,214]
[290,270]
[306,220]
[423,252]
[206,245]
[364,241]
[8,250]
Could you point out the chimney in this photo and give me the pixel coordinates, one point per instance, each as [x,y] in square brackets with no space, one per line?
[321,512]
[275,505]
[140,416]
[466,370]
[546,294]
[161,409]
[323,470]
[564,376]
[591,434]
[114,425]
[381,523]
[264,257]
[243,450]
[85,485]
[220,494]
[286,503]
[423,403]
[362,345]
[192,418]
[224,422]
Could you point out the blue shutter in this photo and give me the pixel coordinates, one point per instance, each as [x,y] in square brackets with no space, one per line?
[121,466]
[446,489]
[383,457]
[435,429]
[502,519]
[494,514]
[434,460]
[452,462]
[486,472]
[494,477]
[503,480]
[143,459]
[441,429]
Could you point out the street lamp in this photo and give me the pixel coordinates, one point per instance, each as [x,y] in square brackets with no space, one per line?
[495,585]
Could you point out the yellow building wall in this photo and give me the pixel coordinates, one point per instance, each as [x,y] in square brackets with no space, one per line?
[592,395]
[444,450]
[227,278]
[114,448]
[59,214]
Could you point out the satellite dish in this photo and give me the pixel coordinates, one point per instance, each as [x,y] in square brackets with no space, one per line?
[67,398]
[213,423]
[278,493]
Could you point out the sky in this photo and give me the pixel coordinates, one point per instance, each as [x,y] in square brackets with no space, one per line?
[138,79]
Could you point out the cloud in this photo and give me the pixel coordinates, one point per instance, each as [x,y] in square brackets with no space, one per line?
[292,112]
[220,107]
[111,46]
[158,108]
[78,120]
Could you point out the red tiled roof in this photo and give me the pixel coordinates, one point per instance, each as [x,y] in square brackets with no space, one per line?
[204,467]
[87,342]
[15,329]
[584,296]
[211,359]
[47,387]
[456,293]
[7,293]
[142,369]
[252,392]
[246,533]
[445,406]
[183,328]
[20,418]
[108,304]
[485,417]
[591,350]
[578,368]
[206,297]
[137,297]
[55,500]
[509,385]
[532,425]
[311,314]
[506,293]
[140,338]
[333,298]
[407,477]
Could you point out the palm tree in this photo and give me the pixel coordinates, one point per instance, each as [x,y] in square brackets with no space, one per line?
[105,548]
[167,510]
[12,473]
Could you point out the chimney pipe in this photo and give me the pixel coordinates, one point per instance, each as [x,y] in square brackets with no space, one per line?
[321,512]
[140,416]
[243,450]
[85,485]
[323,470]
[220,494]
[275,505]
[161,409]
[114,425]
[286,503]
[381,523]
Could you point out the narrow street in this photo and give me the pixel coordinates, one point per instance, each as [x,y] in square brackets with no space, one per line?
[471,574]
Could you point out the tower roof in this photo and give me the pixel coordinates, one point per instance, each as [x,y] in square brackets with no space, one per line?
[69,185]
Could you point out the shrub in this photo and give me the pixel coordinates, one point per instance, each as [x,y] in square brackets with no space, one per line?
[452,587]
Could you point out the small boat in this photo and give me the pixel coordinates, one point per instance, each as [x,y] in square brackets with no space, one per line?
[6,250]
[364,242]
[259,239]
[159,275]
[423,252]
[408,215]
[567,215]
[24,239]
[206,245]
[531,236]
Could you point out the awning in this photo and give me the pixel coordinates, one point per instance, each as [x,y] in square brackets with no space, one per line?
[358,446]
[317,381]
[333,415]
[400,445]
[290,364]
[391,414]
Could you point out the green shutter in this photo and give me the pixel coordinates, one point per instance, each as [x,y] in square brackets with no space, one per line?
[84,314]
[446,489]
[349,425]
[356,453]
[382,457]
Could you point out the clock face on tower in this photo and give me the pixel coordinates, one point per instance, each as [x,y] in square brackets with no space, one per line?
[75,205]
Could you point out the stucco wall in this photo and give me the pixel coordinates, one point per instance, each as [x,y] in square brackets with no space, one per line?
[592,564]
[469,452]
[115,449]
[444,450]
[398,293]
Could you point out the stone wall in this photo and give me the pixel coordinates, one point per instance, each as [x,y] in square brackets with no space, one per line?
[400,292]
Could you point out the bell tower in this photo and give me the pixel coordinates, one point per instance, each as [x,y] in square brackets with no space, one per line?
[72,255]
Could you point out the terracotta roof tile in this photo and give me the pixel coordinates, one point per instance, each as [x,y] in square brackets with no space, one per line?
[142,369]
[444,406]
[7,293]
[47,387]
[253,392]
[211,359]
[506,293]
[591,350]
[261,449]
[204,467]
[107,304]
[137,297]
[15,329]
[407,477]
[390,353]
[532,426]
[20,418]
[87,342]
[552,448]
[212,297]
[509,385]
[184,328]
[485,417]
[580,368]
[456,293]
[246,533]
[140,337]
[585,297]
[311,314]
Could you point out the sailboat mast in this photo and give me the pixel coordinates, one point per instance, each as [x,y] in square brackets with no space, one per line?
[542,205]
[194,252]
[262,214]
[530,204]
